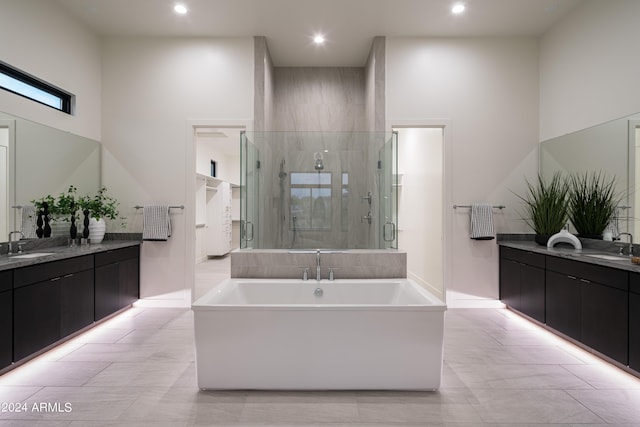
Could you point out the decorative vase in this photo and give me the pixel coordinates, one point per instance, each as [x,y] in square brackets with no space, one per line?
[73,231]
[59,228]
[591,236]
[97,229]
[542,239]
[45,214]
[39,223]
[85,230]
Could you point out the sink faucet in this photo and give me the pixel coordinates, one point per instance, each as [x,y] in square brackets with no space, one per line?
[318,265]
[11,233]
[630,243]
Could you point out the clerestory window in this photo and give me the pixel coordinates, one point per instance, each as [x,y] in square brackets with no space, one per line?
[20,83]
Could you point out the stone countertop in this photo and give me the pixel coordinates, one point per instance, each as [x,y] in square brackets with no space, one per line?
[62,252]
[582,255]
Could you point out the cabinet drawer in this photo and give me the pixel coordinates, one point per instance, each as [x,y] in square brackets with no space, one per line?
[117,255]
[6,280]
[593,273]
[524,257]
[49,270]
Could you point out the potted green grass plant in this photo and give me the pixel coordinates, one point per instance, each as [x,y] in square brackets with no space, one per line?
[592,203]
[546,206]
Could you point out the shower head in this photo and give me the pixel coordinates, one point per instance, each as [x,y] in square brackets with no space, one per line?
[319,165]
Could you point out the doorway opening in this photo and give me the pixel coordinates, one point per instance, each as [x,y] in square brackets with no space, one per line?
[421,203]
[216,195]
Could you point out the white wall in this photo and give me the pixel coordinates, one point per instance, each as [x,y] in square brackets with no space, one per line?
[41,39]
[589,67]
[227,159]
[420,204]
[487,89]
[154,90]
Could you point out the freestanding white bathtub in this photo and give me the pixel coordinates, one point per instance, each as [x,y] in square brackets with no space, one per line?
[375,334]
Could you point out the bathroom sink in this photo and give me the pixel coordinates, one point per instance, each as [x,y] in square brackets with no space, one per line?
[32,255]
[609,257]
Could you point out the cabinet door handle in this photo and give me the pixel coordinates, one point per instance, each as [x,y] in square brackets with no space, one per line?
[572,277]
[55,279]
[585,281]
[68,275]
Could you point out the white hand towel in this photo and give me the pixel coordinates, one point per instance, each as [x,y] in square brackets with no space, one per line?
[29,221]
[157,223]
[482,221]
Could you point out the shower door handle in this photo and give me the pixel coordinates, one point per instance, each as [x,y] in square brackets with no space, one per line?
[246,230]
[393,231]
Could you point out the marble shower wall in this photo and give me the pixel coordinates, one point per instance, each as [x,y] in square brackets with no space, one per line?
[263,104]
[329,99]
[375,86]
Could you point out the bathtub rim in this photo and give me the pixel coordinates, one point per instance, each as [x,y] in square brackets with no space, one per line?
[434,305]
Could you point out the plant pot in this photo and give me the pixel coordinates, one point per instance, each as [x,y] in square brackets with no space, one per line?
[59,228]
[590,236]
[97,229]
[542,239]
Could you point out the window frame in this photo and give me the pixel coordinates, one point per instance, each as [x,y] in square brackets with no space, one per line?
[66,99]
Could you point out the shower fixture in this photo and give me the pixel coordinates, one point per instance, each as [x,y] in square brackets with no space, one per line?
[319,165]
[282,173]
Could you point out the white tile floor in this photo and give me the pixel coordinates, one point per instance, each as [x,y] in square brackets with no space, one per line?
[138,370]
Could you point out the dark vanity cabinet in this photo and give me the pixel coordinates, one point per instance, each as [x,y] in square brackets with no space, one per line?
[522,281]
[596,305]
[563,302]
[117,280]
[589,303]
[51,301]
[6,318]
[634,321]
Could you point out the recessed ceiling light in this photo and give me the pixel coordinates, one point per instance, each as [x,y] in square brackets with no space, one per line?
[180,9]
[458,8]
[319,39]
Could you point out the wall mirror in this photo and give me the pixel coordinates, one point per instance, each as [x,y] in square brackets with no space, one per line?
[37,160]
[610,147]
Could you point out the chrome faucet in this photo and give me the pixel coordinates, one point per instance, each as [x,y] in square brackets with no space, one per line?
[11,233]
[318,265]
[630,243]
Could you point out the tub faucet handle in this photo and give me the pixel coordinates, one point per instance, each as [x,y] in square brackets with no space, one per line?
[305,273]
[331,277]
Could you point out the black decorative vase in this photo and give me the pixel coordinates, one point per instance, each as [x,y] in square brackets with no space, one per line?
[73,231]
[39,222]
[85,230]
[591,236]
[542,239]
[47,218]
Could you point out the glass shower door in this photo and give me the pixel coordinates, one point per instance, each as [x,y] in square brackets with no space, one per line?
[249,190]
[388,193]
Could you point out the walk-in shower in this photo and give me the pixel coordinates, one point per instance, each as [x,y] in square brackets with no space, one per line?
[302,190]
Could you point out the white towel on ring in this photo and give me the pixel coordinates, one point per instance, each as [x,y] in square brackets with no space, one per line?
[29,221]
[157,223]
[482,221]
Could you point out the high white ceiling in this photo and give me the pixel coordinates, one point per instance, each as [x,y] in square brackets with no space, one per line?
[348,25]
